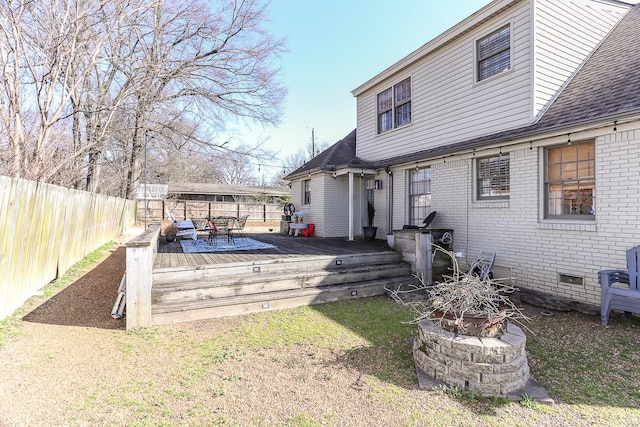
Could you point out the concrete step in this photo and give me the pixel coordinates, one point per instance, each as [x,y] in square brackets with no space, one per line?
[243,304]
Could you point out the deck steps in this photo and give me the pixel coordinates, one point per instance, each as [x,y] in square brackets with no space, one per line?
[240,288]
[281,265]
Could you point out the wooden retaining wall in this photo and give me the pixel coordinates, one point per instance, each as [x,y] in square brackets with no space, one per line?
[45,229]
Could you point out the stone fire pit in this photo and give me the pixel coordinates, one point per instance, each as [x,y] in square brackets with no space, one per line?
[494,366]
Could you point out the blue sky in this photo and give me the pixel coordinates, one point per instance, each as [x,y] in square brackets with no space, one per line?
[335,46]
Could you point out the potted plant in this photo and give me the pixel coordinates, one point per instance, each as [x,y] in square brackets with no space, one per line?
[169,230]
[370,231]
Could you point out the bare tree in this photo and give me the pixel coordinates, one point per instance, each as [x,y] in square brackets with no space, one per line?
[204,63]
[104,74]
[12,52]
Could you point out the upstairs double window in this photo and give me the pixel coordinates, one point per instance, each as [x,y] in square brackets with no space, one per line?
[394,106]
[493,53]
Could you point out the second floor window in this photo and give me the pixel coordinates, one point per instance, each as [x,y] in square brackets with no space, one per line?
[394,106]
[306,192]
[493,177]
[494,53]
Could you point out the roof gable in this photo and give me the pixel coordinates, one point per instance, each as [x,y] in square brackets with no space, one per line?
[340,155]
[606,87]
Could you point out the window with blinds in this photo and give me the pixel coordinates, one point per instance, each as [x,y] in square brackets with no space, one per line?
[419,195]
[494,53]
[570,181]
[493,177]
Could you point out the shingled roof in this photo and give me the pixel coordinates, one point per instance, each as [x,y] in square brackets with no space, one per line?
[606,87]
[342,154]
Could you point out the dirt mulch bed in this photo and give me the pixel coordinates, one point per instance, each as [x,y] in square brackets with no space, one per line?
[89,300]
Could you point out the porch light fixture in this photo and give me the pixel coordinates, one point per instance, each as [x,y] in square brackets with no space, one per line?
[361,173]
[569,138]
[417,169]
[530,145]
[615,125]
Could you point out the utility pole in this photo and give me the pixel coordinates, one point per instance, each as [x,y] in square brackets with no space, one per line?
[313,144]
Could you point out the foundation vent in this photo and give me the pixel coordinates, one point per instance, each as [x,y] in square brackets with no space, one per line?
[571,280]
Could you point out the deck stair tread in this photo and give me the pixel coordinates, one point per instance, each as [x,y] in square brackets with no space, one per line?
[379,285]
[211,291]
[308,277]
[282,265]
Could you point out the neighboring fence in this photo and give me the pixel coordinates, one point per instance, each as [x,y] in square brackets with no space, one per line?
[45,229]
[156,210]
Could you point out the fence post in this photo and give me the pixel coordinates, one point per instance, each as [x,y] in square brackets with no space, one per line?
[140,255]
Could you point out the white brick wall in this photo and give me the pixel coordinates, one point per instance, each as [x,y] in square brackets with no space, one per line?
[536,252]
[329,207]
[532,251]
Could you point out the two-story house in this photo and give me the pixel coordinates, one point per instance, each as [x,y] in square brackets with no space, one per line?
[520,126]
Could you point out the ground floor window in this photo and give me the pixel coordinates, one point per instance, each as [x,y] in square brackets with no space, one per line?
[369,190]
[570,181]
[419,195]
[306,192]
[493,177]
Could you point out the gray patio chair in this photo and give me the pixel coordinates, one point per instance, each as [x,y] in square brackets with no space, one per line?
[483,265]
[620,289]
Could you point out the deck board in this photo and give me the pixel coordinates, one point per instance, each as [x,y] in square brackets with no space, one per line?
[170,254]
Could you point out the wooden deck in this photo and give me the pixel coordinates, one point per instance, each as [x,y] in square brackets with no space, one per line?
[171,255]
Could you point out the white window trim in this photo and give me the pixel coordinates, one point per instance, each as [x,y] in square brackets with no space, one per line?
[303,198]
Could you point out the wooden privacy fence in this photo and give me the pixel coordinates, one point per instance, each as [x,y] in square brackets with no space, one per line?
[188,209]
[46,229]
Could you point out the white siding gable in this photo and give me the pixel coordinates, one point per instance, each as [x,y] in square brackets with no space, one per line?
[550,39]
[447,104]
[566,32]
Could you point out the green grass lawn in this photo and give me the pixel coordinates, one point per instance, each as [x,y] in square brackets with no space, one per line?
[198,373]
